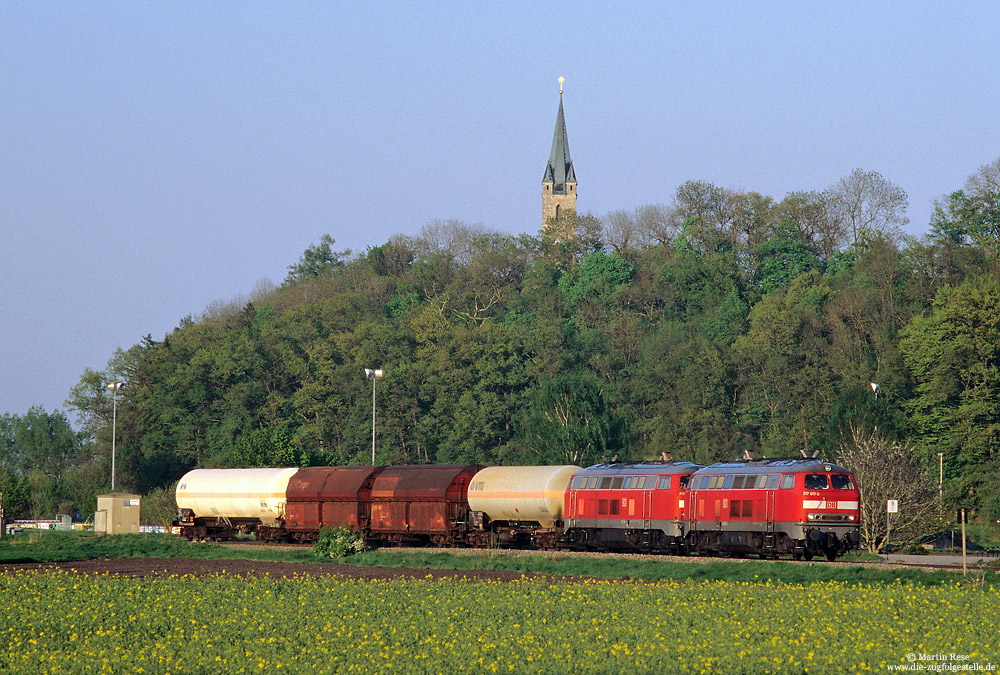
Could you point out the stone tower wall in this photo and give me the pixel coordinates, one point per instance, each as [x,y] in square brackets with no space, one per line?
[566,202]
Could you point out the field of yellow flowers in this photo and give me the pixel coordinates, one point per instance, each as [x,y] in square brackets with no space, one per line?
[56,622]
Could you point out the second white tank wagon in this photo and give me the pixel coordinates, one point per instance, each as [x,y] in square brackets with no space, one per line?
[521,493]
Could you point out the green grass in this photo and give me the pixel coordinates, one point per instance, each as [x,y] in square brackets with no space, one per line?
[694,570]
[48,547]
[65,546]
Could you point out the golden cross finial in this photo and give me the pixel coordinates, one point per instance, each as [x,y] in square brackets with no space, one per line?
[561,80]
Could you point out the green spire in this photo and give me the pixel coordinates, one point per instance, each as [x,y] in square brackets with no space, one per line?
[559,170]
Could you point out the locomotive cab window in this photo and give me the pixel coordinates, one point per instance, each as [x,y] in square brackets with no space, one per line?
[664,483]
[683,483]
[787,482]
[816,481]
[841,482]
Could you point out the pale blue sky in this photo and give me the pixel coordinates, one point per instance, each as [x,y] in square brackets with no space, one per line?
[158,156]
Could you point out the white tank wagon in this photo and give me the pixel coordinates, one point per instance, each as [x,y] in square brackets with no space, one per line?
[217,503]
[518,504]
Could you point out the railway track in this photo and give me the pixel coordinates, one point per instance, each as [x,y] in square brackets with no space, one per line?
[930,562]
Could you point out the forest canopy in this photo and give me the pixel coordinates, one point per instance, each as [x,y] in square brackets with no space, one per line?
[722,322]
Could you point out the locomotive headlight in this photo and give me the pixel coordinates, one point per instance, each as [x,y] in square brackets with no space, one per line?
[852,518]
[811,516]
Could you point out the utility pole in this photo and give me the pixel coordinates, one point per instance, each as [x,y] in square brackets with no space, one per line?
[965,567]
[114,387]
[373,374]
[940,475]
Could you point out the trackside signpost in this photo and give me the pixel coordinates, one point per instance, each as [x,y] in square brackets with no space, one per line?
[891,506]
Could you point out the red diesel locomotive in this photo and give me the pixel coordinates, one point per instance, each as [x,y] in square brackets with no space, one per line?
[801,507]
[637,506]
[797,507]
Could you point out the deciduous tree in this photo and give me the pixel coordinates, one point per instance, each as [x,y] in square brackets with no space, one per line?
[885,470]
[569,422]
[954,357]
[814,218]
[866,203]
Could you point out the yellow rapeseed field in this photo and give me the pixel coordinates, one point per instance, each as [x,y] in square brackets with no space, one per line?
[59,623]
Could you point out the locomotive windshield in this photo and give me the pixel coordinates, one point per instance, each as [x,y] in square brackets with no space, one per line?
[841,482]
[816,481]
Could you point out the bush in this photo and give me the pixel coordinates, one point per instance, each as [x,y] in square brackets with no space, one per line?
[338,542]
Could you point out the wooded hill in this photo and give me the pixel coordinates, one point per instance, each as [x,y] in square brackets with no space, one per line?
[720,323]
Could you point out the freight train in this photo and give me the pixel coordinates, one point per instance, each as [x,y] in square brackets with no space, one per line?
[770,507]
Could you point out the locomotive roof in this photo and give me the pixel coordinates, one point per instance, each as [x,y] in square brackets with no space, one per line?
[775,464]
[647,467]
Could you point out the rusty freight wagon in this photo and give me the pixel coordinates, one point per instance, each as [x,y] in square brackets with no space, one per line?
[326,496]
[421,504]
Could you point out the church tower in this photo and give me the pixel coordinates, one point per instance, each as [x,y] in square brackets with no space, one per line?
[559,182]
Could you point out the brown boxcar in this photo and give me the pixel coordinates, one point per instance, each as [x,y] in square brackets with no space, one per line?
[328,496]
[421,503]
